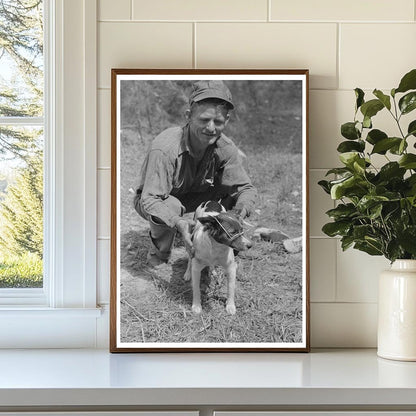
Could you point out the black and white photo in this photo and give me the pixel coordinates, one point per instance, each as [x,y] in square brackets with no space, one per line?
[209,242]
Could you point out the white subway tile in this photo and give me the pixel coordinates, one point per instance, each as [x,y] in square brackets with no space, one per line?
[342,10]
[104,202]
[319,203]
[103,271]
[270,46]
[200,10]
[142,45]
[376,55]
[357,275]
[104,129]
[114,10]
[327,111]
[343,325]
[323,269]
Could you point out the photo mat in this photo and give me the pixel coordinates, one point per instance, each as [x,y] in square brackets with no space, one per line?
[151,306]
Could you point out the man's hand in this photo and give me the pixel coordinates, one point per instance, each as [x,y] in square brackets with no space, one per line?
[240,211]
[183,227]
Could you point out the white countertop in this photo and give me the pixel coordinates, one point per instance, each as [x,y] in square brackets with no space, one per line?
[96,377]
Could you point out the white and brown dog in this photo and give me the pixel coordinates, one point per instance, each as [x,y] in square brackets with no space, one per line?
[216,235]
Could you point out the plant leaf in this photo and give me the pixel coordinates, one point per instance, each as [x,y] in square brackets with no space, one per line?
[375,211]
[398,149]
[383,145]
[374,242]
[325,186]
[350,146]
[402,147]
[393,250]
[375,136]
[390,170]
[348,158]
[371,108]
[385,99]
[361,231]
[359,95]
[411,184]
[412,201]
[408,102]
[349,131]
[333,229]
[359,165]
[408,161]
[346,242]
[342,211]
[407,239]
[353,187]
[369,248]
[408,82]
[338,171]
[369,201]
[411,130]
[338,189]
[367,122]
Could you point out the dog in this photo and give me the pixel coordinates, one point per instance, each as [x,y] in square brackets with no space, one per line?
[216,235]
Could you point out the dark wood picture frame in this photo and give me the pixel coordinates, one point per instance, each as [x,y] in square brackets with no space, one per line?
[128,328]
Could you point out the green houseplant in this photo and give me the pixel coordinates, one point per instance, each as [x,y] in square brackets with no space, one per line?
[376,210]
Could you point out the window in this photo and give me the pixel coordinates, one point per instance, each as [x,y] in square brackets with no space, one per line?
[63,313]
[22,128]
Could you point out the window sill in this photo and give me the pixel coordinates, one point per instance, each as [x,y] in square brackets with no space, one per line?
[323,379]
[22,297]
[36,312]
[40,327]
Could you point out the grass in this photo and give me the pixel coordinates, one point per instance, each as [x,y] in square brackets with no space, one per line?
[156,305]
[269,301]
[25,271]
[276,176]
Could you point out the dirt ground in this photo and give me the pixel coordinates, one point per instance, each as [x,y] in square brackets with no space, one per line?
[156,304]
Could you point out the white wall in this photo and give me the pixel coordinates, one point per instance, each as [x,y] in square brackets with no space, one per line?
[345,44]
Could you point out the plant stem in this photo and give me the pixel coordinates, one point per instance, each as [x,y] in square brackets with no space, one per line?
[397,118]
[387,231]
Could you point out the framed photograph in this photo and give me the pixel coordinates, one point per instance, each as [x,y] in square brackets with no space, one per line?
[209,211]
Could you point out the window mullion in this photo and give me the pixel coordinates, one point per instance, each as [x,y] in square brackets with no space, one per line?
[22,121]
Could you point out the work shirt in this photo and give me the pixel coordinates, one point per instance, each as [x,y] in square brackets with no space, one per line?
[171,169]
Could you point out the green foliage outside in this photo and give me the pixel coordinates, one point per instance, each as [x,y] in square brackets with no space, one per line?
[21,148]
[21,271]
[21,213]
[376,212]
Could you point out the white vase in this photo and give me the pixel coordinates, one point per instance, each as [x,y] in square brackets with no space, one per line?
[397,312]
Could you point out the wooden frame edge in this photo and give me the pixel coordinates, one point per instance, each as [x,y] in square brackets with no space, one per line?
[113,239]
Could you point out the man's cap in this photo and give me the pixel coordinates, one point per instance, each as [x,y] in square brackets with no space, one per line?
[210,89]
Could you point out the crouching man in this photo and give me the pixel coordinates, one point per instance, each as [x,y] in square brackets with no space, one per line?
[189,165]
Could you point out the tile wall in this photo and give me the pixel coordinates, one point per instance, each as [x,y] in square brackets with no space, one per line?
[345,44]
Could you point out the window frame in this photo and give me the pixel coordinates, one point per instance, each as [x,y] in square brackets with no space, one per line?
[38,296]
[28,318]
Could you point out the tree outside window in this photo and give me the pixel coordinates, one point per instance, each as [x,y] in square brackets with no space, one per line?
[21,143]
